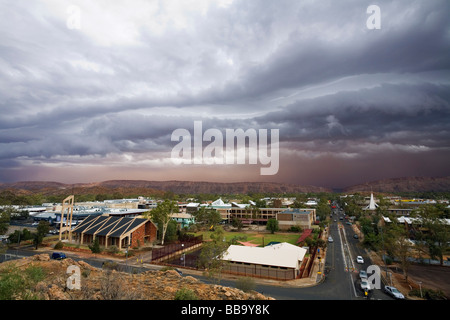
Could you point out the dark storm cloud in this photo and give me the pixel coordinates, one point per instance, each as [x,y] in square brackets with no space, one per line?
[135,71]
[375,114]
[416,43]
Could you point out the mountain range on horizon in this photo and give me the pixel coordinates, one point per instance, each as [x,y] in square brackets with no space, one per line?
[128,187]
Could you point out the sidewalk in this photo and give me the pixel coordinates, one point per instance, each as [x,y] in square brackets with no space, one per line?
[313,280]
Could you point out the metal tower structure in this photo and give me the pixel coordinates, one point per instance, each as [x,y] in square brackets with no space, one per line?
[67,205]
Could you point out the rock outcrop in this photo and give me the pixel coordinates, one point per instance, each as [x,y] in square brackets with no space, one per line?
[99,284]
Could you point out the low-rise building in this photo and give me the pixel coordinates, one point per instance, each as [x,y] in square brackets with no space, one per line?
[183,219]
[280,261]
[122,232]
[304,218]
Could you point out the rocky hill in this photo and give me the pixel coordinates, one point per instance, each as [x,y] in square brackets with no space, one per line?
[143,187]
[99,284]
[410,184]
[131,188]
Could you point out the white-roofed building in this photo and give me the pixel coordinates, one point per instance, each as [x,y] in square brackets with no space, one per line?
[218,202]
[280,261]
[192,207]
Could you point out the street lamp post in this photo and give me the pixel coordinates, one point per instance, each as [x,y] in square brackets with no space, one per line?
[183,256]
[18,244]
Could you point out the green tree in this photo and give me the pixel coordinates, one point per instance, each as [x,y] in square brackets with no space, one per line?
[15,237]
[369,227]
[26,234]
[237,223]
[5,218]
[207,217]
[95,246]
[272,225]
[397,243]
[171,233]
[42,229]
[437,236]
[320,243]
[162,215]
[259,203]
[323,209]
[212,253]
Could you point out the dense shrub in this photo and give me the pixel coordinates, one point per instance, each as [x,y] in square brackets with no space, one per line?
[245,284]
[185,294]
[428,294]
[59,245]
[16,284]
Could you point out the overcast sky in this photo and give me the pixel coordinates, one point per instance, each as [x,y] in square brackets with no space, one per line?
[92,90]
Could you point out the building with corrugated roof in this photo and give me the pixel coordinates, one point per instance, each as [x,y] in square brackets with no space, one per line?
[278,261]
[122,232]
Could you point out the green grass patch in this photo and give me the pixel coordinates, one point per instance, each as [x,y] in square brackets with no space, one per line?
[256,238]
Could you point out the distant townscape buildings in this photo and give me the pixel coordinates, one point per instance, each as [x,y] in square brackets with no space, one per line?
[401,210]
[248,213]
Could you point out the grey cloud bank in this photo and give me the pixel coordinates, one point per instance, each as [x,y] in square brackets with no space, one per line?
[351,104]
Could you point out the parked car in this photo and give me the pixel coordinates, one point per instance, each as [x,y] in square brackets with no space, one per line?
[363,274]
[330,239]
[58,255]
[359,259]
[4,239]
[394,292]
[366,285]
[355,236]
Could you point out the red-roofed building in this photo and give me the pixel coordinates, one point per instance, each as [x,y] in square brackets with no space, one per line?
[306,233]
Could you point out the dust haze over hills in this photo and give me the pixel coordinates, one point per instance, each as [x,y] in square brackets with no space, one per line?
[129,187]
[143,187]
[411,184]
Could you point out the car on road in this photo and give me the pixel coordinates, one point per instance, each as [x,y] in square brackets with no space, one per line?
[355,236]
[359,259]
[363,274]
[394,292]
[330,239]
[58,255]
